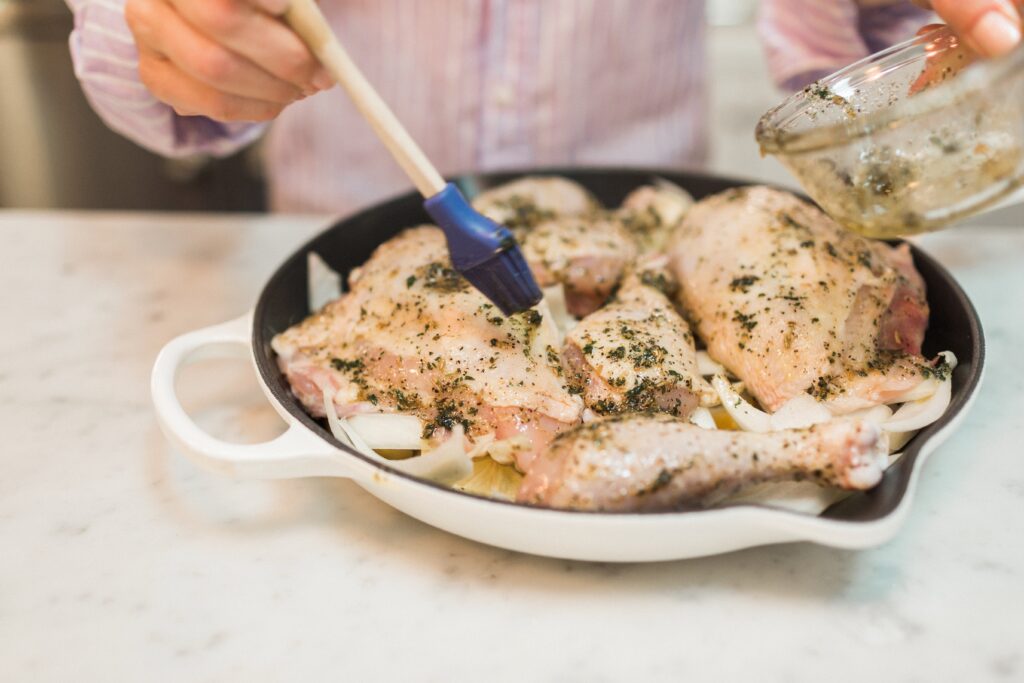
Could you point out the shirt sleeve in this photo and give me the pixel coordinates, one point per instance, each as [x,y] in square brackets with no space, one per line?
[805,40]
[106,63]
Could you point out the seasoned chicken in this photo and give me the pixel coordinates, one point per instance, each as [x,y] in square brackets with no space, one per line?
[563,237]
[791,303]
[651,212]
[637,353]
[413,336]
[523,203]
[656,462]
[586,256]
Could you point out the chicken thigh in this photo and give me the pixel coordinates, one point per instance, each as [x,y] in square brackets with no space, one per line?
[413,336]
[637,353]
[587,257]
[522,204]
[791,303]
[564,236]
[651,212]
[656,462]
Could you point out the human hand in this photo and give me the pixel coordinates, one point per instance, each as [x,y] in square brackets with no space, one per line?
[989,27]
[230,60]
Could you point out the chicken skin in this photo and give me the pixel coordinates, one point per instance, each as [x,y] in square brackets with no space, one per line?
[412,336]
[522,204]
[791,303]
[587,257]
[564,238]
[650,213]
[657,462]
[637,353]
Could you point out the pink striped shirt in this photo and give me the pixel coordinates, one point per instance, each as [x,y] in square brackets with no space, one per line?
[485,85]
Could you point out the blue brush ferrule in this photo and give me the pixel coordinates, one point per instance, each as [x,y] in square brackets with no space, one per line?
[472,237]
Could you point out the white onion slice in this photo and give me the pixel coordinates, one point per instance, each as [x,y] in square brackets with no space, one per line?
[798,412]
[342,431]
[929,386]
[707,366]
[921,391]
[918,414]
[702,418]
[324,283]
[480,449]
[564,321]
[877,415]
[389,431]
[898,440]
[504,452]
[448,462]
[748,417]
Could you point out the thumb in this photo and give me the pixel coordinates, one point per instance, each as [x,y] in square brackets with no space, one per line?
[989,27]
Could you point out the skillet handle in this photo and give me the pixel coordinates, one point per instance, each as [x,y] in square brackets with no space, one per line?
[296,453]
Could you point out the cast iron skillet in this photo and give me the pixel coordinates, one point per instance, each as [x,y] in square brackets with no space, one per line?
[953,326]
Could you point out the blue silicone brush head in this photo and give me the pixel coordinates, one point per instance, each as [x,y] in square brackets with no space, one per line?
[484,252]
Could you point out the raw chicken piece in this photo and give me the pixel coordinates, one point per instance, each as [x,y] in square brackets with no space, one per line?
[587,256]
[637,353]
[651,212]
[656,462]
[523,203]
[791,303]
[563,238]
[413,336]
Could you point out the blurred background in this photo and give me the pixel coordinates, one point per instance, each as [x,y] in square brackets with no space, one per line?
[56,153]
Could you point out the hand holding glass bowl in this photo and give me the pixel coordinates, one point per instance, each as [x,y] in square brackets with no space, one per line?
[908,140]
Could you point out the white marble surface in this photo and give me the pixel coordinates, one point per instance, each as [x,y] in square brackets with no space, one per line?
[122,562]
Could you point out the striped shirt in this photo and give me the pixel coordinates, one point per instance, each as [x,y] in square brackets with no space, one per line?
[486,85]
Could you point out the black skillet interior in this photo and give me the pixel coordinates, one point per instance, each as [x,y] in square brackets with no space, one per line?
[954,324]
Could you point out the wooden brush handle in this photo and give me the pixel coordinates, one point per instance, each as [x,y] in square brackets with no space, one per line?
[306,19]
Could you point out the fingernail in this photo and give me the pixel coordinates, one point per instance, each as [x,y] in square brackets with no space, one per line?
[995,34]
[323,80]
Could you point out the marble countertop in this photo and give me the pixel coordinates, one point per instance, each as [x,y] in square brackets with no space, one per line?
[122,561]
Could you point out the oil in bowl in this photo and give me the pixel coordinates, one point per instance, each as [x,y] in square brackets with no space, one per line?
[908,140]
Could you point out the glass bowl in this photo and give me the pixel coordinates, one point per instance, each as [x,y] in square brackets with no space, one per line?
[907,140]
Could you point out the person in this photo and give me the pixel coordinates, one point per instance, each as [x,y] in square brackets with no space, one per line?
[481,84]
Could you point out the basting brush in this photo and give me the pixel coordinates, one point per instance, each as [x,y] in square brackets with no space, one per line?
[485,253]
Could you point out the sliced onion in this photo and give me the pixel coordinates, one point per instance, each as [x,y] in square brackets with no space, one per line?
[480,449]
[390,432]
[703,418]
[798,412]
[928,386]
[342,431]
[504,451]
[898,440]
[446,463]
[921,391]
[707,366]
[918,414]
[877,415]
[554,297]
[748,417]
[324,283]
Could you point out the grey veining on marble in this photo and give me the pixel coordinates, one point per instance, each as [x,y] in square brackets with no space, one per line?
[122,561]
